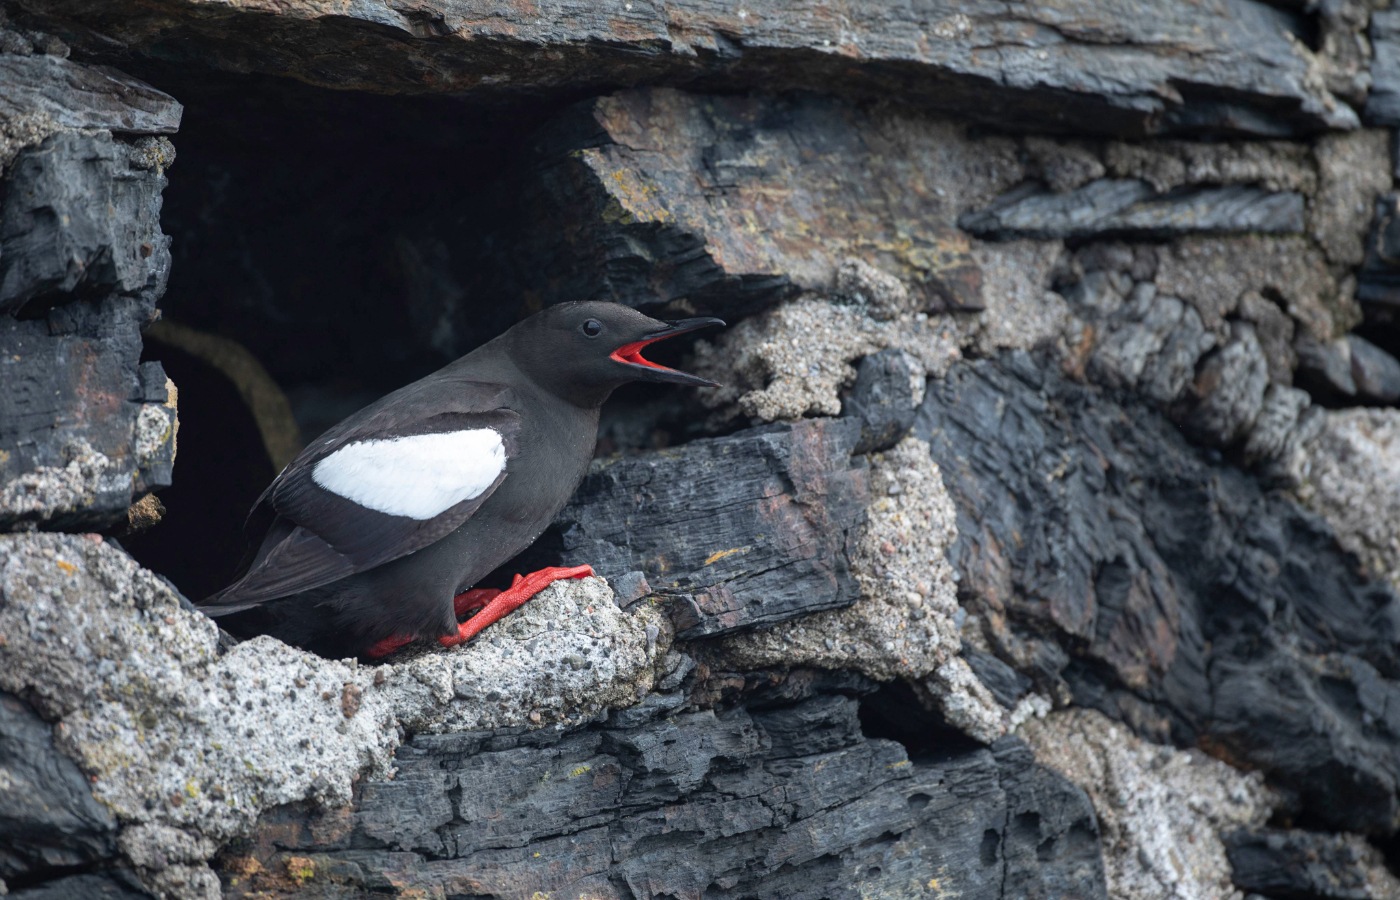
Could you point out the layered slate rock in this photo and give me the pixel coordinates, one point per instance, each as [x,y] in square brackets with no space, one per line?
[791,800]
[81,215]
[45,94]
[730,532]
[116,886]
[1217,334]
[1383,103]
[676,196]
[1125,569]
[1128,207]
[1107,561]
[1305,864]
[1139,67]
[86,428]
[1380,274]
[683,203]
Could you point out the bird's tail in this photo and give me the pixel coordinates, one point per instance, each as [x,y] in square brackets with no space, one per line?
[226,602]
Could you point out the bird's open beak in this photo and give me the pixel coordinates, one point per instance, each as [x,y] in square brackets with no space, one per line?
[631,354]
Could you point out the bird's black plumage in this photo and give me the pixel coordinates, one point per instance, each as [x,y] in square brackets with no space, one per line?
[363,536]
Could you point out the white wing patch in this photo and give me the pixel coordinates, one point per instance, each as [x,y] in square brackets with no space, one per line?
[419,476]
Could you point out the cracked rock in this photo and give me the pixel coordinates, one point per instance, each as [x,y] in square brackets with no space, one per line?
[187,745]
[904,624]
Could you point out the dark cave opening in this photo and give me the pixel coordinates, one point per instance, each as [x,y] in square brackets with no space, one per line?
[351,241]
[895,712]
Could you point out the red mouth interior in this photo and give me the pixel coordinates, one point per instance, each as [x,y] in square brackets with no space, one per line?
[632,354]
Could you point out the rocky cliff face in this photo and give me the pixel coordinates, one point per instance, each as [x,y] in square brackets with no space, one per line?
[1044,540]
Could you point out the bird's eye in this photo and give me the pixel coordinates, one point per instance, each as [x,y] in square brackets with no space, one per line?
[592,328]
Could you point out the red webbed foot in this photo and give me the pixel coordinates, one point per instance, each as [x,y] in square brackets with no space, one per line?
[511,599]
[473,601]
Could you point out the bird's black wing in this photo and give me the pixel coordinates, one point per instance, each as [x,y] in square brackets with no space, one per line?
[356,511]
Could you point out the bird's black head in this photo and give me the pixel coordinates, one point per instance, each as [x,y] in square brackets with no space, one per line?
[583,351]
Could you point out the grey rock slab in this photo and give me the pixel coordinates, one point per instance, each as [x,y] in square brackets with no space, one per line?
[1383,103]
[729,204]
[1005,683]
[1228,391]
[730,532]
[1133,67]
[85,427]
[88,887]
[1289,863]
[791,800]
[1047,816]
[185,740]
[1375,372]
[1131,208]
[1326,369]
[905,624]
[44,94]
[82,212]
[888,389]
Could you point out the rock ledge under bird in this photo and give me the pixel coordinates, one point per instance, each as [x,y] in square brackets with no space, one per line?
[375,534]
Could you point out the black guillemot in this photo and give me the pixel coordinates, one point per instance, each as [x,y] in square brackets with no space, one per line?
[374,534]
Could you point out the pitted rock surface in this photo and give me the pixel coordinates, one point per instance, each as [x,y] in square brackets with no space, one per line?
[187,745]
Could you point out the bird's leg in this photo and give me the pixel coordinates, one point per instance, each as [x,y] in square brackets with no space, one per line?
[512,598]
[464,604]
[483,607]
[388,645]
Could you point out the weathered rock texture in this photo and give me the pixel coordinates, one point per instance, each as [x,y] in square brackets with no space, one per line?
[1353,481]
[1307,864]
[1146,796]
[905,624]
[1120,567]
[786,801]
[51,820]
[47,94]
[1051,414]
[791,491]
[85,427]
[186,744]
[1226,65]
